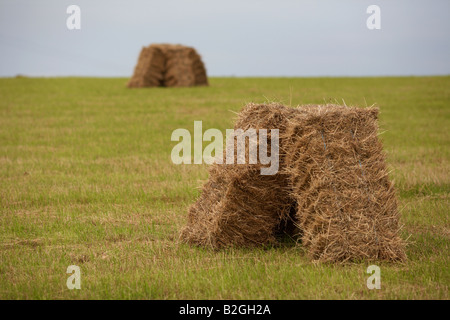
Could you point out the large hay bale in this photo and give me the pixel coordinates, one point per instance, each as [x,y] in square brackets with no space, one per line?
[331,170]
[239,206]
[346,205]
[166,65]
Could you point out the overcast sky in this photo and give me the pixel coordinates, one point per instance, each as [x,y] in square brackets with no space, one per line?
[234,37]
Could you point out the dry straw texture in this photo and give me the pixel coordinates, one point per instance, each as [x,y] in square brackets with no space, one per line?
[239,206]
[346,205]
[167,65]
[332,171]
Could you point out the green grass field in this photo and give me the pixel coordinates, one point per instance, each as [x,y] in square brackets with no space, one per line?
[86,178]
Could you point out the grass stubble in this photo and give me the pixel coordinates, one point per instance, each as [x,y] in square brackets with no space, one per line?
[86,179]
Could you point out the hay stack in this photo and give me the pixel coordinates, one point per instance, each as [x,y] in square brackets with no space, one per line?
[239,206]
[184,67]
[166,65]
[150,69]
[332,171]
[346,205]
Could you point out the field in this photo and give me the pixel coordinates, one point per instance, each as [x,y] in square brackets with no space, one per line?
[86,179]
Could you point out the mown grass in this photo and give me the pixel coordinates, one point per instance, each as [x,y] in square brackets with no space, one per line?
[86,179]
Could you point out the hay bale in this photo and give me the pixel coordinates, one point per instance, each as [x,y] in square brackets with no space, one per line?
[239,206]
[150,69]
[332,173]
[167,65]
[346,205]
[184,67]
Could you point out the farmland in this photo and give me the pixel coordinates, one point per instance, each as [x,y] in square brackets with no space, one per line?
[86,179]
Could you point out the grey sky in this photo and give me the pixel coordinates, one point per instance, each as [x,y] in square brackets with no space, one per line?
[234,37]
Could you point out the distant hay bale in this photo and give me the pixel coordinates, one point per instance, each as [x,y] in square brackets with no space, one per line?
[239,206]
[149,71]
[332,174]
[167,65]
[184,67]
[346,205]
